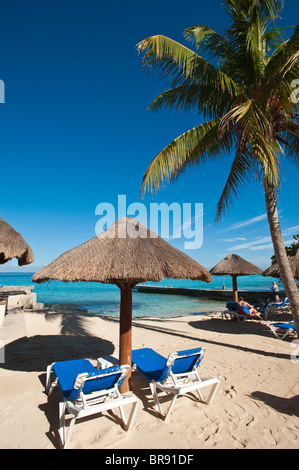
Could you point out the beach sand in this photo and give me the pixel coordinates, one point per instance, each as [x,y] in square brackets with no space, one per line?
[256,406]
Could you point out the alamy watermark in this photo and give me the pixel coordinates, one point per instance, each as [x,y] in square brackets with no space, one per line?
[2,352]
[295,93]
[169,221]
[295,353]
[2,92]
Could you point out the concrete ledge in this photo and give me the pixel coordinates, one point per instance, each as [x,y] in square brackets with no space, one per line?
[19,297]
[2,312]
[211,294]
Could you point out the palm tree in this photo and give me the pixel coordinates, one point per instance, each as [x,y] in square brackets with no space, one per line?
[243,89]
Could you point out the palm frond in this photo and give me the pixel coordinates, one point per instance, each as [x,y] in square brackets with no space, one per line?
[179,63]
[254,132]
[209,41]
[281,69]
[204,99]
[194,146]
[166,56]
[250,37]
[254,160]
[267,9]
[243,168]
[290,137]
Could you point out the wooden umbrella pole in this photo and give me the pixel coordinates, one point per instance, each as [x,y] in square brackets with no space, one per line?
[235,288]
[125,346]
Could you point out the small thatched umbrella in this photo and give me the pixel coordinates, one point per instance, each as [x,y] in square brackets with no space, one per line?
[235,266]
[13,245]
[125,254]
[273,270]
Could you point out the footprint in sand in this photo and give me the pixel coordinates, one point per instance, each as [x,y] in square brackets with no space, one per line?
[230,392]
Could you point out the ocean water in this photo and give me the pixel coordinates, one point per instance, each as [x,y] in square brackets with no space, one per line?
[104,299]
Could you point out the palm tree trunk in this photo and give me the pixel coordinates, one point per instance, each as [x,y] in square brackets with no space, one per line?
[280,253]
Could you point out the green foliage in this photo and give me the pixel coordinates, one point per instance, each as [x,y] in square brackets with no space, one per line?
[241,83]
[290,250]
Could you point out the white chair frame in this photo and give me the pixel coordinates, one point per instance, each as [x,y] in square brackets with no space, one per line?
[181,384]
[284,333]
[92,403]
[233,314]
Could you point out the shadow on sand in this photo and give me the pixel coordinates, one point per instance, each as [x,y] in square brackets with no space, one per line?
[288,406]
[35,353]
[234,327]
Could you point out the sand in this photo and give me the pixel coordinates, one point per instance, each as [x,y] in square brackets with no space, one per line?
[256,406]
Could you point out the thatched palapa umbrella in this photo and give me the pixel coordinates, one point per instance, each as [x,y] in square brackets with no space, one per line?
[13,245]
[125,254]
[235,266]
[273,270]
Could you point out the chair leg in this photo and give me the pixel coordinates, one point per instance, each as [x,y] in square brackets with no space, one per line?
[200,395]
[53,385]
[158,408]
[49,370]
[65,436]
[132,415]
[153,387]
[274,331]
[212,392]
[62,406]
[238,318]
[69,434]
[171,406]
[123,416]
[277,334]
[284,335]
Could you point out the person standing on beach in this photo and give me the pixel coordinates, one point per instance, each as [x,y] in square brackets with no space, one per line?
[275,291]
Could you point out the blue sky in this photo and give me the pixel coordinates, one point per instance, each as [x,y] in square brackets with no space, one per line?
[75,130]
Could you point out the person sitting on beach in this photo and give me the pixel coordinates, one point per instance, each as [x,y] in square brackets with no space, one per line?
[251,308]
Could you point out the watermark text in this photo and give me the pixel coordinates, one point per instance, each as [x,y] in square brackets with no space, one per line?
[169,221]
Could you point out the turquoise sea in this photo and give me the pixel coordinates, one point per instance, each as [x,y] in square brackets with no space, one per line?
[101,299]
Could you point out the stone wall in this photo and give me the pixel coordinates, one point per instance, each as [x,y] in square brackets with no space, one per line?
[19,297]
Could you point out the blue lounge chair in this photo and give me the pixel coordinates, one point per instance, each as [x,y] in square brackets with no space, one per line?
[234,310]
[86,391]
[277,308]
[175,375]
[232,313]
[282,330]
[285,303]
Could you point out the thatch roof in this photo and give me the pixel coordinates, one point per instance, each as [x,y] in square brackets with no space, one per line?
[118,254]
[273,270]
[13,245]
[235,266]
